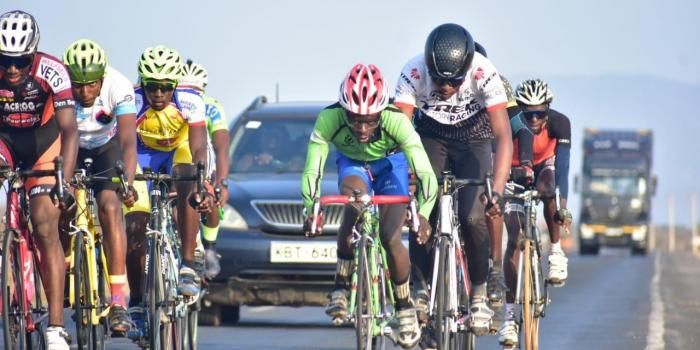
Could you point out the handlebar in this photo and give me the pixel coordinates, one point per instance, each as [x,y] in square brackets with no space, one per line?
[450,181]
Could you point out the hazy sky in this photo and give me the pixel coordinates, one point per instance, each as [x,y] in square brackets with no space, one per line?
[307,46]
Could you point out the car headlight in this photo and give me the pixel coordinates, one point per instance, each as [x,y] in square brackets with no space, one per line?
[586,232]
[232,219]
[639,233]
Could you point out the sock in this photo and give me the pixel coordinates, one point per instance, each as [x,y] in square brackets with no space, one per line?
[556,246]
[479,290]
[342,273]
[403,295]
[210,233]
[510,311]
[208,244]
[118,285]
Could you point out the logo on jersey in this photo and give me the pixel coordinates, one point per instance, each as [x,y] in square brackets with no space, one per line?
[54,73]
[348,140]
[479,74]
[7,96]
[19,107]
[415,74]
[21,120]
[103,117]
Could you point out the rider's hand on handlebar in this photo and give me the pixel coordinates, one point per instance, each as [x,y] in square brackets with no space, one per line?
[493,207]
[563,217]
[523,175]
[424,231]
[308,223]
[222,198]
[130,197]
[203,202]
[65,204]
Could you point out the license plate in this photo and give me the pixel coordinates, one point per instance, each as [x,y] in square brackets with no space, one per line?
[615,232]
[303,252]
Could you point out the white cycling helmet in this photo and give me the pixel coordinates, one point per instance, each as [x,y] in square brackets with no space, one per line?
[533,92]
[19,34]
[195,75]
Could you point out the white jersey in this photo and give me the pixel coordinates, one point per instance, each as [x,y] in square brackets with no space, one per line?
[462,116]
[98,124]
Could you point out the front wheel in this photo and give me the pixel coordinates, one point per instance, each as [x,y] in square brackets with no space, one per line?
[14,325]
[363,305]
[442,305]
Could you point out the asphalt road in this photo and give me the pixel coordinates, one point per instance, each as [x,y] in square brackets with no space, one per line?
[613,301]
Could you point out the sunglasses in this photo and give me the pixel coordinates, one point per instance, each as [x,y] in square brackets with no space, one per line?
[20,62]
[451,82]
[530,115]
[152,86]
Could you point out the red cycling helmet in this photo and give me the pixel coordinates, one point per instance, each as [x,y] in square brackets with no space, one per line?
[364,91]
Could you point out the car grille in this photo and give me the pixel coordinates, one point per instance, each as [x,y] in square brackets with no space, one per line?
[285,214]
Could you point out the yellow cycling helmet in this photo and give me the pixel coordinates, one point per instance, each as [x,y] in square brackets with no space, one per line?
[160,63]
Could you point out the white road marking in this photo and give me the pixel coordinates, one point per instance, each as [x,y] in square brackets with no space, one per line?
[655,337]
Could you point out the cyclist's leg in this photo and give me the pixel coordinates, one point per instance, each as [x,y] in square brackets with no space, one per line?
[110,216]
[514,216]
[44,217]
[474,160]
[187,222]
[351,176]
[391,178]
[558,262]
[420,254]
[210,229]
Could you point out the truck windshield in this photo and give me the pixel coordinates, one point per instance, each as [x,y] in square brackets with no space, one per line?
[616,185]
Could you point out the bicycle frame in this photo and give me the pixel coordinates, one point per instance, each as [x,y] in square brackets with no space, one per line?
[92,241]
[531,233]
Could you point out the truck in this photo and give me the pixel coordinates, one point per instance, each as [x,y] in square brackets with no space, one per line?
[616,186]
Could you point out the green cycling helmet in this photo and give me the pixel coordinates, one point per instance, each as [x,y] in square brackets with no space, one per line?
[86,61]
[160,63]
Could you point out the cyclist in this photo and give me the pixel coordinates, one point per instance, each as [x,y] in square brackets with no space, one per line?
[106,116]
[171,135]
[375,142]
[195,76]
[552,146]
[460,107]
[37,124]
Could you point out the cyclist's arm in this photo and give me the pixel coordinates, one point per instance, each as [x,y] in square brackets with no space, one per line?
[125,112]
[525,138]
[195,115]
[319,146]
[561,129]
[410,143]
[216,124]
[68,128]
[407,87]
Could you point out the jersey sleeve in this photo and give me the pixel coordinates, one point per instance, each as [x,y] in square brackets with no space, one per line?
[316,155]
[193,108]
[409,84]
[216,117]
[401,130]
[488,84]
[55,74]
[122,95]
[560,128]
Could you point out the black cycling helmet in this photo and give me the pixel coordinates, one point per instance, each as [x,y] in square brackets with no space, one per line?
[449,51]
[480,49]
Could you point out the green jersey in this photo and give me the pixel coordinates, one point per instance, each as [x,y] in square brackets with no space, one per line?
[395,132]
[215,115]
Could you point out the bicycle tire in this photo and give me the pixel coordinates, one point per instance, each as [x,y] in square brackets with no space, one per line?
[466,340]
[14,325]
[103,328]
[155,284]
[36,339]
[535,310]
[380,341]
[192,325]
[363,305]
[442,296]
[528,310]
[87,332]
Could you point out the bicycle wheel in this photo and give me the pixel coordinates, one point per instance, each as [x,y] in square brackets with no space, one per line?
[155,295]
[102,329]
[363,304]
[466,340]
[14,324]
[192,325]
[536,309]
[385,304]
[442,290]
[528,309]
[88,334]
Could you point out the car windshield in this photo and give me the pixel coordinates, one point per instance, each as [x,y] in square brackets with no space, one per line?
[617,185]
[273,146]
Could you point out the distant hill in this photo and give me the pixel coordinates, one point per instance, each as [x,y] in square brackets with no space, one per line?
[664,106]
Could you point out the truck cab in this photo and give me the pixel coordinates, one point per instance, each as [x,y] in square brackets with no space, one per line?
[616,188]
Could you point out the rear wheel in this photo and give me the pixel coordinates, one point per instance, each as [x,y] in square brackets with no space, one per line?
[528,314]
[14,324]
[363,306]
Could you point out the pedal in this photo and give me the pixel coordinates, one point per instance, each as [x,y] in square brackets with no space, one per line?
[338,321]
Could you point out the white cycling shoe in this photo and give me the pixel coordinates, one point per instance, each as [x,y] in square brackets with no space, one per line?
[508,334]
[558,266]
[481,315]
[57,338]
